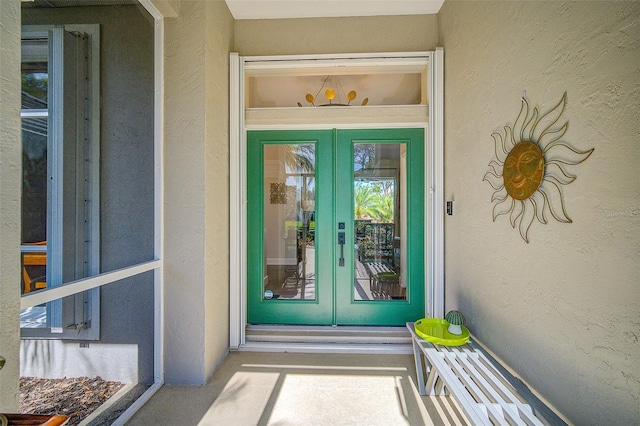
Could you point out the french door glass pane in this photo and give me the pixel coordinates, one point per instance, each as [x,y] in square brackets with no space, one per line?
[379,189]
[289,222]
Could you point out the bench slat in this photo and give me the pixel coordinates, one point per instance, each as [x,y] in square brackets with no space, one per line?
[487,382]
[470,408]
[483,393]
[495,411]
[524,411]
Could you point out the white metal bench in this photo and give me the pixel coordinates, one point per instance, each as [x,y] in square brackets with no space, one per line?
[375,268]
[485,396]
[382,280]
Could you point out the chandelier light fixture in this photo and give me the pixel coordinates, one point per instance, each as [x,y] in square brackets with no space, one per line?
[336,97]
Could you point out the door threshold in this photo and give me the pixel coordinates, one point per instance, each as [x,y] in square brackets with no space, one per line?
[324,328]
[329,348]
[327,339]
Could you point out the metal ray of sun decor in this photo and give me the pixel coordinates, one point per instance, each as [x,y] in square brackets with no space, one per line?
[530,167]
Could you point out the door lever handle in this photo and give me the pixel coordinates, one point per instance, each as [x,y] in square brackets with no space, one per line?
[341,240]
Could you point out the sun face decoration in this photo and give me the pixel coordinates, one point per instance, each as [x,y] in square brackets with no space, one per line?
[529,168]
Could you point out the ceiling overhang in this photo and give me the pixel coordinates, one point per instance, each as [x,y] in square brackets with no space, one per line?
[38,4]
[283,9]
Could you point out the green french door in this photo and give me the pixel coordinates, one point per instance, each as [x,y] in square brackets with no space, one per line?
[335,226]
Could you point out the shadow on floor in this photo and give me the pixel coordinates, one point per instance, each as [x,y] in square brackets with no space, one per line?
[251,388]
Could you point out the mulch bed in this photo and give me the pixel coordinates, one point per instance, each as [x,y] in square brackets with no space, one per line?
[74,397]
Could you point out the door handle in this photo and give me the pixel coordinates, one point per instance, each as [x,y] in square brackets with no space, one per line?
[341,239]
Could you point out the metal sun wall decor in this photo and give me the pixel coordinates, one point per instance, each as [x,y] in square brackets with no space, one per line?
[530,167]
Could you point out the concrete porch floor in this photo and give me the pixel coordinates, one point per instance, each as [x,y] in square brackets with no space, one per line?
[251,388]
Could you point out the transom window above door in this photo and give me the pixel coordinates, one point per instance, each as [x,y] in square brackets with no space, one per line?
[339,82]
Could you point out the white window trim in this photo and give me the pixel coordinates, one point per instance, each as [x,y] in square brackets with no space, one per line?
[434,249]
[93,30]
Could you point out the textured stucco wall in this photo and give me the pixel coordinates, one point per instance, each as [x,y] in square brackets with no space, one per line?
[184,194]
[564,310]
[336,35]
[219,38]
[196,190]
[126,199]
[10,186]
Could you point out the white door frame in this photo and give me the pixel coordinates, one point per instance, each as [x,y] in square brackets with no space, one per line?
[434,179]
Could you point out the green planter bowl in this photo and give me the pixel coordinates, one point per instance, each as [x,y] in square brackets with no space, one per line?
[434,330]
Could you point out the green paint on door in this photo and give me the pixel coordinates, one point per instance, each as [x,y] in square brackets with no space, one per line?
[335,225]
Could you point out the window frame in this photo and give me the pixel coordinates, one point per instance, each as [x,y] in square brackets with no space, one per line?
[81,310]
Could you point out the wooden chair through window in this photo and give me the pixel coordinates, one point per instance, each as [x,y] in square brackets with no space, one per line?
[30,259]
